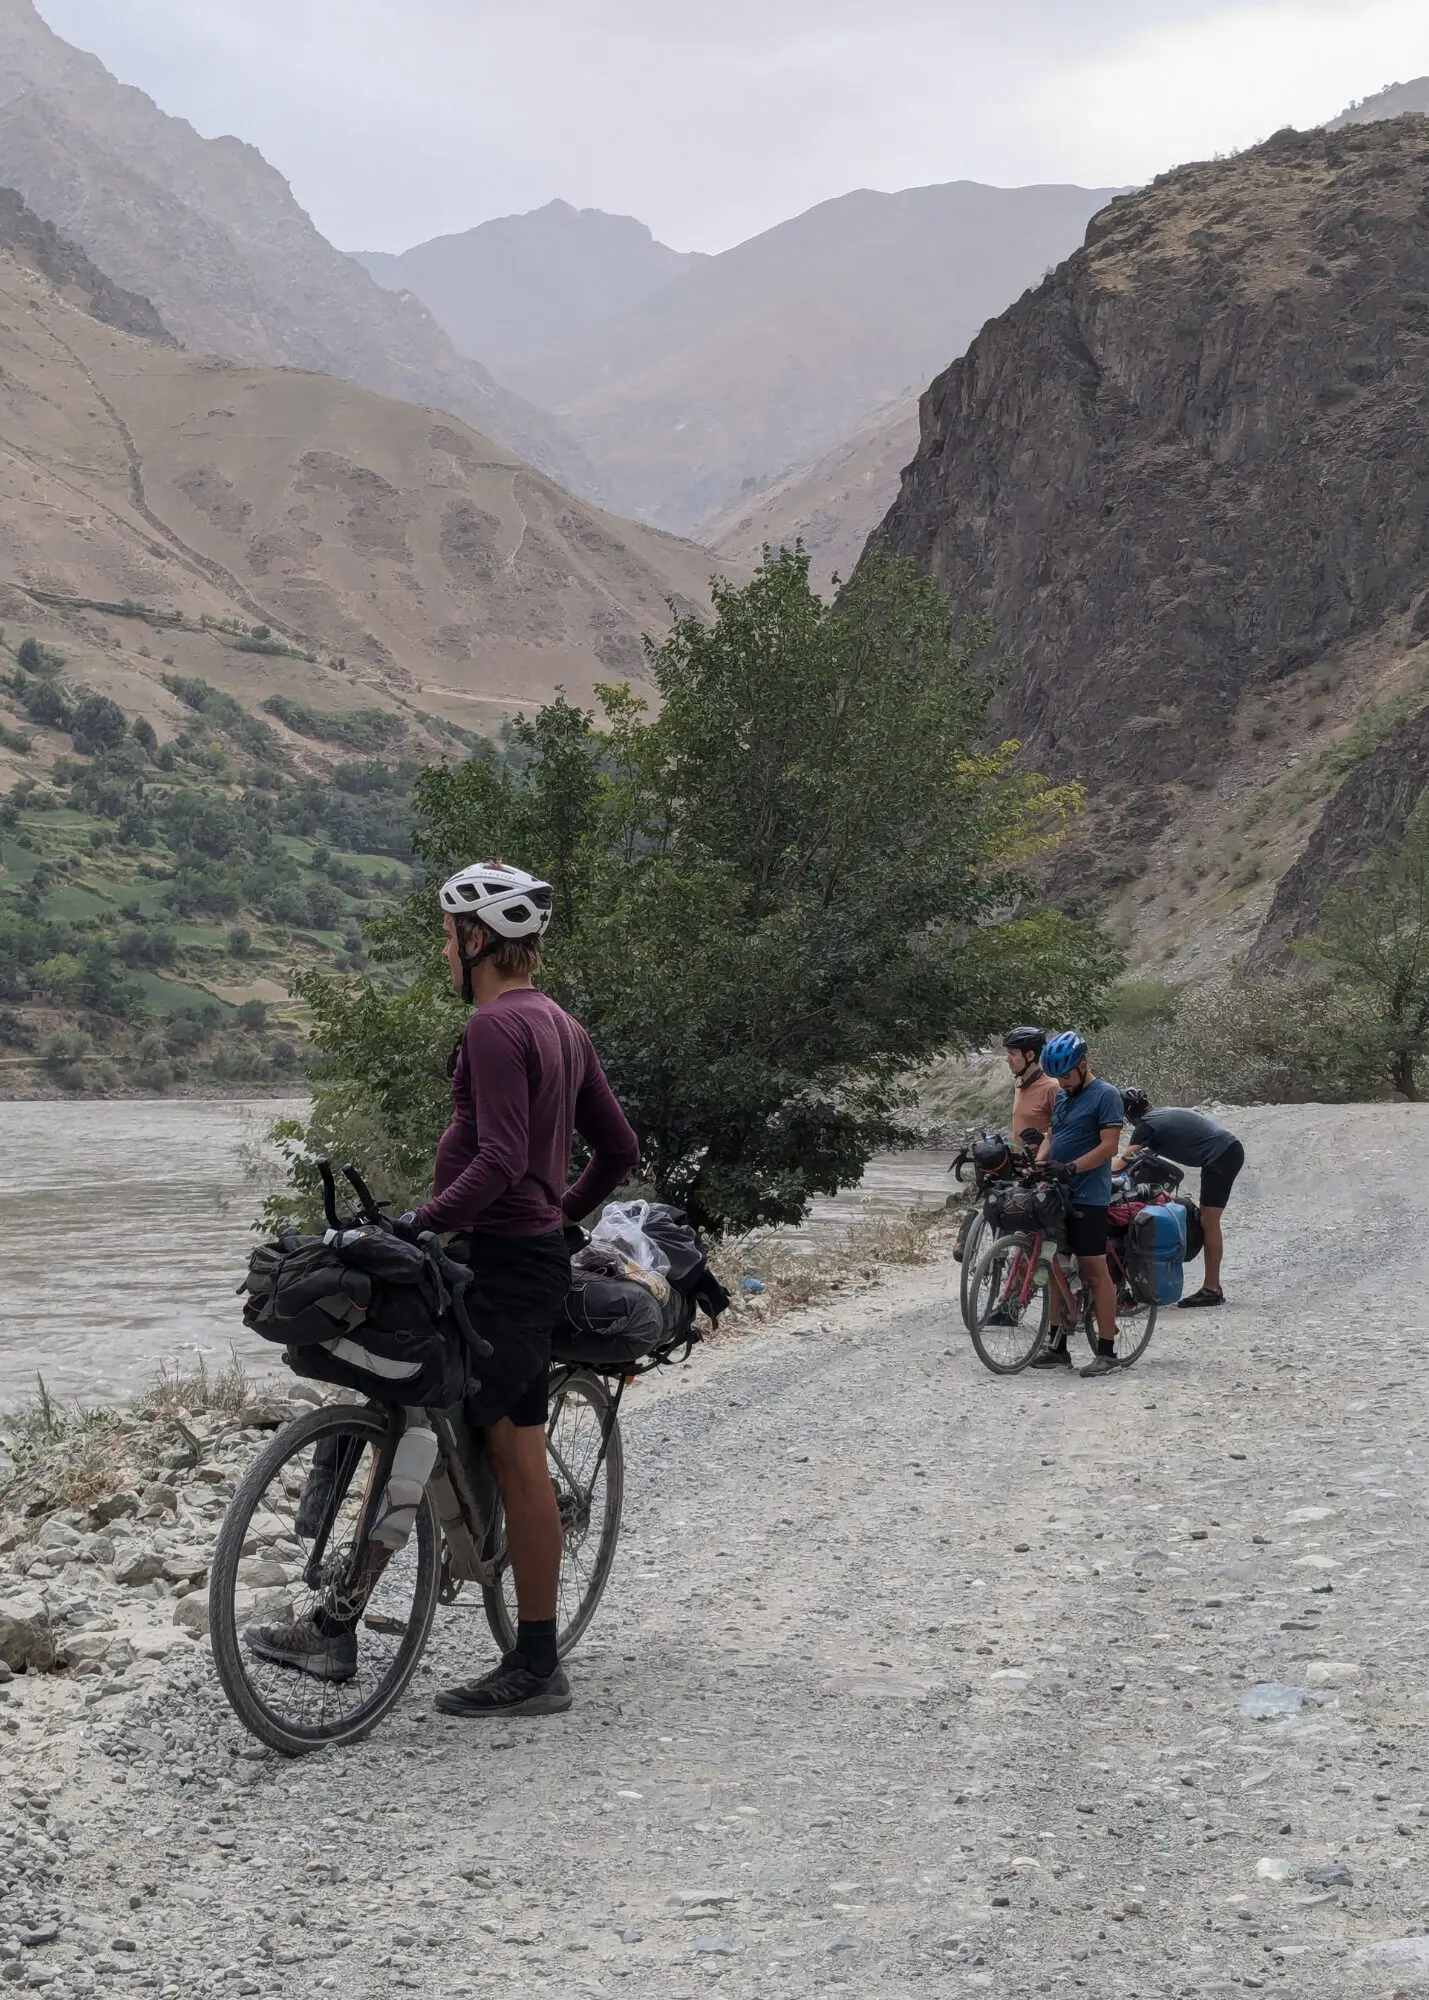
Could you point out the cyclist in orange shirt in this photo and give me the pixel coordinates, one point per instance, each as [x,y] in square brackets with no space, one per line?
[1033,1093]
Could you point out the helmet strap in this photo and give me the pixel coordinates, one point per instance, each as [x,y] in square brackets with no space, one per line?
[470,960]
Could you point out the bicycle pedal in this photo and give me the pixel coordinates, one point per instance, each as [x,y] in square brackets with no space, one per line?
[383,1621]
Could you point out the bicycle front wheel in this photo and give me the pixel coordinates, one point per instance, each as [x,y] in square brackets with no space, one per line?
[1011,1314]
[308,1492]
[587,1463]
[973,1245]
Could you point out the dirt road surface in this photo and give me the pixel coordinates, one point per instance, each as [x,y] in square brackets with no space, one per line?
[911,1681]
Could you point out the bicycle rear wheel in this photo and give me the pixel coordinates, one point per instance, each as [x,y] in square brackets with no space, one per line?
[590,1492]
[307,1490]
[1011,1315]
[973,1245]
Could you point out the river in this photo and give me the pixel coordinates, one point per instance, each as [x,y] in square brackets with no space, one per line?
[125,1226]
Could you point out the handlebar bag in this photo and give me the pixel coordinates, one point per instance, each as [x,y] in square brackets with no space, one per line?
[1040,1210]
[390,1337]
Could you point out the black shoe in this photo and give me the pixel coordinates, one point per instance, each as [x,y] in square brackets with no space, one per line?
[324,1656]
[1002,1316]
[1101,1364]
[1053,1356]
[510,1689]
[1205,1297]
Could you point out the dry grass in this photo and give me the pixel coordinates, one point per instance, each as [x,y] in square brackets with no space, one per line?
[71,1456]
[794,1275]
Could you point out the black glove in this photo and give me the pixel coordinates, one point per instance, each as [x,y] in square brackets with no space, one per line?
[405,1226]
[1057,1170]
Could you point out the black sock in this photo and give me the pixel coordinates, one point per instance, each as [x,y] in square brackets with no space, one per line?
[536,1643]
[1106,1347]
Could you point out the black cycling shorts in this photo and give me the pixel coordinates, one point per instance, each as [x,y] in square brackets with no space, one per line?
[1218,1178]
[520,1284]
[1086,1231]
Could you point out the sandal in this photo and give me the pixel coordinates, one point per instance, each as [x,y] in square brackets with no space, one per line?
[1205,1297]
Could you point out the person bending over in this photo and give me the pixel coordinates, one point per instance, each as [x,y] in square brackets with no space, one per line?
[1193,1140]
[1086,1130]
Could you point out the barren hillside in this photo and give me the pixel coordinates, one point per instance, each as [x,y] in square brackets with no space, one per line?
[432,559]
[211,233]
[1186,477]
[831,505]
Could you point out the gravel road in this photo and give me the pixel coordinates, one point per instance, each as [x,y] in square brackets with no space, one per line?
[911,1681]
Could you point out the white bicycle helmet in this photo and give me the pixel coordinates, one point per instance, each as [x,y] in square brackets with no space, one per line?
[505,901]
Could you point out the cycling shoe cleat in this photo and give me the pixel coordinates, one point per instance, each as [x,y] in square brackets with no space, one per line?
[323,1656]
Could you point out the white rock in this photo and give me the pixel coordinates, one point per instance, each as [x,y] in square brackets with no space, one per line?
[1272,1869]
[1331,1673]
[191,1613]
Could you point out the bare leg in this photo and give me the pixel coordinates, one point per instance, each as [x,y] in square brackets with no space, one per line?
[1214,1247]
[533,1521]
[1098,1282]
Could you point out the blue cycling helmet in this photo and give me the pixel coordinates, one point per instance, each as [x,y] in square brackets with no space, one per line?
[1063,1053]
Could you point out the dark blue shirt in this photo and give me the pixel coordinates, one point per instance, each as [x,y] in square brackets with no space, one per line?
[1188,1137]
[1077,1124]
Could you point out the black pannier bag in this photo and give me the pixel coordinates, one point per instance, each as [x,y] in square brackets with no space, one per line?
[364,1310]
[617,1312]
[1036,1211]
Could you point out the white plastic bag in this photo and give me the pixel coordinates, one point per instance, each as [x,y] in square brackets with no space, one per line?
[622,1229]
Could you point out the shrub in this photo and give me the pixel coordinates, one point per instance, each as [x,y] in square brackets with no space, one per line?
[774,902]
[253,1014]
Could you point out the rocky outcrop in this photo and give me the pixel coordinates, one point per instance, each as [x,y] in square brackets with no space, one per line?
[1194,460]
[40,247]
[1366,815]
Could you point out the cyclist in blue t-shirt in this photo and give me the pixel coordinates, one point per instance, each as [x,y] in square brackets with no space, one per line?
[1086,1131]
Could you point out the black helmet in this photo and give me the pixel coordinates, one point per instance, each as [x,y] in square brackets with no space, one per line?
[1031,1041]
[991,1154]
[1135,1102]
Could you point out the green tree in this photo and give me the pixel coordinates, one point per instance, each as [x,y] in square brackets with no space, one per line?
[1374,938]
[774,901]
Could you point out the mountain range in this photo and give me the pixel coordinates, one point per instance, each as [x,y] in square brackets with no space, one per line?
[721,373]
[211,233]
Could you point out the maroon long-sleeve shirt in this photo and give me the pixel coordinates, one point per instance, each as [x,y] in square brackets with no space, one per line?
[526,1080]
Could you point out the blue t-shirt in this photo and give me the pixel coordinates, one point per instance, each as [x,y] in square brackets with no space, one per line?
[1077,1124]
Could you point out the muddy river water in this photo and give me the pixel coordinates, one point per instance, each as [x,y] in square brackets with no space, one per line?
[124,1227]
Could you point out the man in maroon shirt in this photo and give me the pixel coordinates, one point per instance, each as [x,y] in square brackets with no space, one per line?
[526,1079]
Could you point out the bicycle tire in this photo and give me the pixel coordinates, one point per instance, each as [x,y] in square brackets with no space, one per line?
[582,1586]
[972,1250]
[1134,1329]
[253,1686]
[1027,1334]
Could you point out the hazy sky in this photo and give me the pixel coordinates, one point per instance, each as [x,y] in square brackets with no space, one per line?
[396,120]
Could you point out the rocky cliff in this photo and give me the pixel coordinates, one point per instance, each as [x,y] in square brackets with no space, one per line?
[1189,476]
[40,247]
